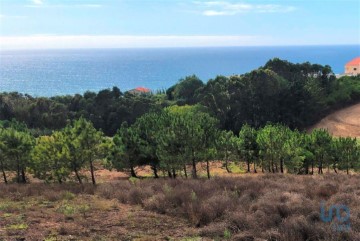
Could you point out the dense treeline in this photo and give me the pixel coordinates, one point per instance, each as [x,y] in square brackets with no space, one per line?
[172,140]
[228,119]
[179,137]
[106,109]
[296,95]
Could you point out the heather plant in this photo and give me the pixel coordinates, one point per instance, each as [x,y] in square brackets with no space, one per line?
[270,206]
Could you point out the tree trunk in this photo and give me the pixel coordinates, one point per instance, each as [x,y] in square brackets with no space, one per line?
[4,175]
[155,171]
[312,168]
[185,172]
[208,169]
[174,173]
[23,177]
[227,162]
[18,172]
[320,171]
[255,168]
[334,167]
[248,166]
[320,168]
[169,174]
[77,175]
[132,171]
[92,173]
[227,165]
[282,166]
[347,169]
[194,172]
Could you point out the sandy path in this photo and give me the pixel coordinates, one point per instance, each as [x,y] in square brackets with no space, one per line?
[345,122]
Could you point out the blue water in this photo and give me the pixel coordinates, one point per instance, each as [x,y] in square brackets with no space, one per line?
[60,72]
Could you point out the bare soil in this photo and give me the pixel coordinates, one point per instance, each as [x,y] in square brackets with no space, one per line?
[86,217]
[345,122]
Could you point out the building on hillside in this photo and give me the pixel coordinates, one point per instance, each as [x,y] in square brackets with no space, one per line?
[140,90]
[353,67]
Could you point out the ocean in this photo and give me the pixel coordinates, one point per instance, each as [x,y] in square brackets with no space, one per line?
[61,72]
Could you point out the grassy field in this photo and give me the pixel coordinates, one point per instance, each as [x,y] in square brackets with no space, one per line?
[246,207]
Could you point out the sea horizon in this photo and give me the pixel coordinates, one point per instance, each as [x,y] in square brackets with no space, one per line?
[52,72]
[178,47]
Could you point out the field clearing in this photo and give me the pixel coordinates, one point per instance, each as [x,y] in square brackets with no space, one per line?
[345,122]
[247,207]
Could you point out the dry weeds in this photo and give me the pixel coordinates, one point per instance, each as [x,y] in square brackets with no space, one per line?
[259,207]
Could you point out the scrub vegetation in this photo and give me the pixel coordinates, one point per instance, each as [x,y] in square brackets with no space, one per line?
[246,207]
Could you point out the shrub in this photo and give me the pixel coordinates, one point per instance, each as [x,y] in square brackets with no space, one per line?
[215,230]
[244,236]
[156,203]
[52,195]
[297,228]
[326,190]
[240,221]
[135,196]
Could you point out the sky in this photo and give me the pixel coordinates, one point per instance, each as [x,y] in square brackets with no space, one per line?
[34,24]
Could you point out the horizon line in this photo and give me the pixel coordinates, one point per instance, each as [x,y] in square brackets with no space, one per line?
[179,47]
[33,42]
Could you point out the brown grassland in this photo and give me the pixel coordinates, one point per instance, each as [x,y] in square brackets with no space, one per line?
[233,206]
[241,207]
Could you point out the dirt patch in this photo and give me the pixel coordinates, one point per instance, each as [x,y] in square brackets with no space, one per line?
[345,122]
[101,219]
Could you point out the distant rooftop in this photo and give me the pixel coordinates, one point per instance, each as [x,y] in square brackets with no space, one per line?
[140,90]
[143,89]
[353,62]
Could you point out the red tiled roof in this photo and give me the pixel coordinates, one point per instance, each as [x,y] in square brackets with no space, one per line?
[353,62]
[142,89]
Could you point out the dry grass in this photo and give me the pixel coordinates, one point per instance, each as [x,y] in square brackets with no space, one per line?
[345,122]
[259,207]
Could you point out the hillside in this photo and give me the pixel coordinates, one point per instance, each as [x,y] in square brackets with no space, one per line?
[345,122]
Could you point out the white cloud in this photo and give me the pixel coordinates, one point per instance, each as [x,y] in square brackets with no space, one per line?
[87,5]
[124,41]
[41,4]
[216,13]
[2,16]
[221,8]
[273,8]
[37,2]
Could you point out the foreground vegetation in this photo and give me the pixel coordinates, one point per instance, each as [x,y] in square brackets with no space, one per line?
[261,207]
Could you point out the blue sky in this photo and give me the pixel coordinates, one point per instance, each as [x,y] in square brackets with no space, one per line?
[176,23]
